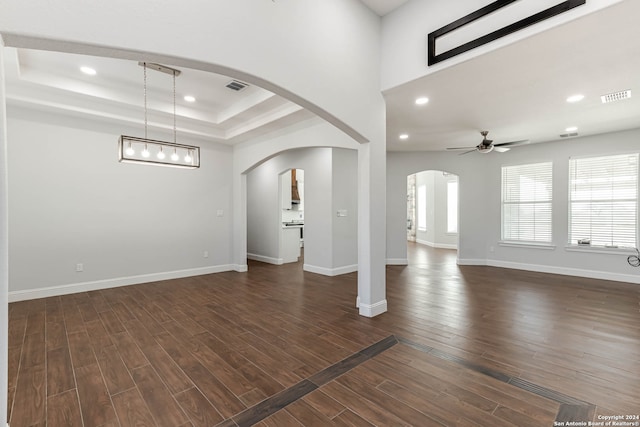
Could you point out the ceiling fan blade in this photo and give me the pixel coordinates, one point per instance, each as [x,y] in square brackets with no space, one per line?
[461,148]
[501,149]
[505,144]
[467,152]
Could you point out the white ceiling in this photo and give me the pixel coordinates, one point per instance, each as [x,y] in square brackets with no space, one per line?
[382,7]
[53,81]
[516,92]
[519,91]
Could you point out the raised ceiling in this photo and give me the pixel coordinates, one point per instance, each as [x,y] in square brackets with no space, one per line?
[519,91]
[53,81]
[516,92]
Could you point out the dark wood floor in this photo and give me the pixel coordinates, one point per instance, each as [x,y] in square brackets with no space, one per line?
[279,347]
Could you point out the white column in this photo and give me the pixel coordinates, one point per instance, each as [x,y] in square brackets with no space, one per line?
[371,228]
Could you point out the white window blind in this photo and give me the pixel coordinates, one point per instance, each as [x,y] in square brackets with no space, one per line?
[603,200]
[527,202]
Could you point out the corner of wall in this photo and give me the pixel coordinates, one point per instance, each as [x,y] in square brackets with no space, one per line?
[4,248]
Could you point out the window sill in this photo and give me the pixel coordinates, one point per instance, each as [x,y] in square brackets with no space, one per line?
[529,245]
[600,249]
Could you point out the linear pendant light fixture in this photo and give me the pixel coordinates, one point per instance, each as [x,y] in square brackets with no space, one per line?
[133,149]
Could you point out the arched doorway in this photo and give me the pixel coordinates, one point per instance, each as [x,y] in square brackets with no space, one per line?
[432,217]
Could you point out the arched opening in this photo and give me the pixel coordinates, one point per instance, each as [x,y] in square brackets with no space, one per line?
[432,217]
[292,208]
[303,202]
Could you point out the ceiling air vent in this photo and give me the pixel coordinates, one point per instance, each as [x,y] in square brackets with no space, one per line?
[616,96]
[568,135]
[236,85]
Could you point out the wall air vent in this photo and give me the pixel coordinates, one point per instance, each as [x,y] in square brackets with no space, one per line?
[236,85]
[568,135]
[616,96]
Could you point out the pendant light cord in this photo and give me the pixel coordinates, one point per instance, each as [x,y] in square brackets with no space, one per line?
[174,107]
[145,100]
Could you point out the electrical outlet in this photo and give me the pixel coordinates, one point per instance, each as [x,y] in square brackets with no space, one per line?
[79,267]
[220,212]
[205,254]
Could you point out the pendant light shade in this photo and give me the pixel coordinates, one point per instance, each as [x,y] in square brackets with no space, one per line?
[133,149]
[148,151]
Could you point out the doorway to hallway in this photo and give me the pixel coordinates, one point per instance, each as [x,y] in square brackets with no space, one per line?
[432,217]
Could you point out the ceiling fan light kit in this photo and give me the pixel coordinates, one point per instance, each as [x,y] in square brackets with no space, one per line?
[487,145]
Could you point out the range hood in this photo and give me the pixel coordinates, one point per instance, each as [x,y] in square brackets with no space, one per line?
[295,194]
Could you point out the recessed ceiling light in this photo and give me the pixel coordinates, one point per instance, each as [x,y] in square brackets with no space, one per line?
[422,100]
[189,98]
[88,70]
[403,136]
[575,98]
[571,129]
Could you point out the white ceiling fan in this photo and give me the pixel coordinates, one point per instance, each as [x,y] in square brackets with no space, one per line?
[487,145]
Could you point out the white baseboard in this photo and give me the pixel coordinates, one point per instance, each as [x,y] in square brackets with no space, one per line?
[437,245]
[268,260]
[445,246]
[566,271]
[73,288]
[397,261]
[330,271]
[372,310]
[241,268]
[472,261]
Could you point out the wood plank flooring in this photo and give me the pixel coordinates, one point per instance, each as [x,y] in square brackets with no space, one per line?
[460,345]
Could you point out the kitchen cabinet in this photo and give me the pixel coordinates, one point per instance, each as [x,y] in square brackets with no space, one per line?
[285,189]
[290,250]
[292,188]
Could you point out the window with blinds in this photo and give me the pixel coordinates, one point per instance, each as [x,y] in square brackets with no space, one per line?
[603,200]
[527,202]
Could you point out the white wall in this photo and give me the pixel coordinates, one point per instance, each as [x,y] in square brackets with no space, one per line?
[281,46]
[319,54]
[330,242]
[263,207]
[436,234]
[470,171]
[345,228]
[479,210]
[71,201]
[409,25]
[4,247]
[371,200]
[612,265]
